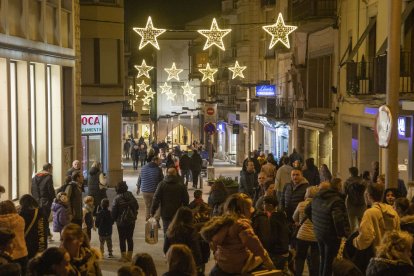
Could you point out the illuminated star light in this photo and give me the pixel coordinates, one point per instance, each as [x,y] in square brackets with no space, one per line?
[190,97]
[187,88]
[165,88]
[143,69]
[142,86]
[279,32]
[150,93]
[146,101]
[214,35]
[173,72]
[208,73]
[171,96]
[149,34]
[237,70]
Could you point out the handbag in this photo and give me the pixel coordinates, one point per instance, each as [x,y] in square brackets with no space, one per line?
[342,266]
[31,224]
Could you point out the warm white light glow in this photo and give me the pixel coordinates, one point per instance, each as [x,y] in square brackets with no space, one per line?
[208,73]
[143,69]
[146,101]
[214,35]
[187,88]
[190,97]
[171,96]
[237,70]
[165,88]
[149,34]
[173,72]
[150,94]
[279,32]
[142,86]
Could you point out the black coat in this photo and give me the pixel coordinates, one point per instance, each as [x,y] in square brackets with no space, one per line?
[292,196]
[171,194]
[93,186]
[312,175]
[248,183]
[188,236]
[385,267]
[328,215]
[42,189]
[185,162]
[121,201]
[196,162]
[36,238]
[104,222]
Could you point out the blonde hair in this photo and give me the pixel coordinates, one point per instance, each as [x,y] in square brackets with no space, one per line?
[88,199]
[238,204]
[311,191]
[395,245]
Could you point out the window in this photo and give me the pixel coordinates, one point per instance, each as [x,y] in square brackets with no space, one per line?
[319,82]
[49,112]
[33,117]
[14,128]
[68,109]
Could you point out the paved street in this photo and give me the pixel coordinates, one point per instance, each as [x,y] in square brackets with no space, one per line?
[110,266]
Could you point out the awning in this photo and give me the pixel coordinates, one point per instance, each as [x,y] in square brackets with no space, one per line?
[315,124]
[271,122]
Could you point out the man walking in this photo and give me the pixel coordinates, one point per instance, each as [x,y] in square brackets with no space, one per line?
[248,181]
[185,165]
[196,164]
[293,193]
[74,191]
[283,177]
[44,192]
[170,195]
[151,175]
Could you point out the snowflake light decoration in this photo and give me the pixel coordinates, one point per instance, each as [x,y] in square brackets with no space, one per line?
[214,35]
[142,86]
[173,72]
[279,32]
[165,88]
[149,34]
[150,94]
[208,73]
[237,70]
[143,69]
[187,88]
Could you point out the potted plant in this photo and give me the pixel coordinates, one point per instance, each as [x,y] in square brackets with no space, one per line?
[231,185]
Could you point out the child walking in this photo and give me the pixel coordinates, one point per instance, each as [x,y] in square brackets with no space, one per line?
[104,224]
[88,221]
[60,212]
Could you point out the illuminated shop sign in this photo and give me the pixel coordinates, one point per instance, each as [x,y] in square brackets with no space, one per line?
[265,90]
[404,126]
[91,124]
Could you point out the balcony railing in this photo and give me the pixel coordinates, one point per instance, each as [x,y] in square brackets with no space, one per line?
[279,107]
[267,3]
[368,78]
[307,9]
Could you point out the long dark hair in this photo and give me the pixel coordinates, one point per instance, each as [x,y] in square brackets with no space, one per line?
[44,264]
[28,202]
[181,223]
[146,263]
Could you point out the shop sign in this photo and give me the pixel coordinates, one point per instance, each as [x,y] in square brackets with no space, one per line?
[404,126]
[91,124]
[236,129]
[265,90]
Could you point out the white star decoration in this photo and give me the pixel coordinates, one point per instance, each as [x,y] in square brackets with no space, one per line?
[143,69]
[173,72]
[146,101]
[150,93]
[187,88]
[190,97]
[165,88]
[171,96]
[149,34]
[279,32]
[214,35]
[142,86]
[237,70]
[208,73]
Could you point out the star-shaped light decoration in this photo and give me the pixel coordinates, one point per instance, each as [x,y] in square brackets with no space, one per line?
[208,73]
[187,88]
[146,101]
[149,34]
[237,70]
[171,96]
[173,72]
[165,88]
[143,69]
[142,86]
[190,97]
[214,35]
[150,94]
[279,32]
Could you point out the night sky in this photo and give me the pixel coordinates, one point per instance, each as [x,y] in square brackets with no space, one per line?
[168,14]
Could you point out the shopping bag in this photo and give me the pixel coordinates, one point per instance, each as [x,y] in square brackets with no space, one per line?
[342,266]
[151,231]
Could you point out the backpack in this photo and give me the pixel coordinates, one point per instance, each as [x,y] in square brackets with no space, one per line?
[356,192]
[127,217]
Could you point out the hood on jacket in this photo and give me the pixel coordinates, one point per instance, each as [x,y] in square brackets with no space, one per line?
[388,214]
[407,219]
[328,193]
[378,265]
[213,226]
[93,171]
[171,179]
[10,220]
[42,174]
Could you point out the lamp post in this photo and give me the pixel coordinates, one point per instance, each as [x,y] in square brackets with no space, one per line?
[249,120]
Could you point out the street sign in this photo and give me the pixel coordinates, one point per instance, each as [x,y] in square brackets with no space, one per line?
[210,128]
[210,112]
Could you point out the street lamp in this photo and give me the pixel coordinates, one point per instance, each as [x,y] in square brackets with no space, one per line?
[192,119]
[249,120]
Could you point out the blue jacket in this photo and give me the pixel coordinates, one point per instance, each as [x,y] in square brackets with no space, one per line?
[150,176]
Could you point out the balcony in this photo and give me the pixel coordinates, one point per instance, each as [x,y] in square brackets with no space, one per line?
[313,14]
[280,108]
[370,78]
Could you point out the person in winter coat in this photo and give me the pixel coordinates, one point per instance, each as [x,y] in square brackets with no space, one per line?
[104,224]
[196,164]
[311,172]
[235,247]
[35,231]
[11,220]
[306,237]
[325,174]
[269,169]
[406,212]
[53,261]
[282,177]
[124,213]
[143,154]
[271,226]
[84,260]
[76,166]
[354,191]
[185,166]
[44,192]
[217,197]
[293,193]
[180,261]
[248,180]
[170,195]
[393,256]
[269,190]
[182,231]
[97,184]
[87,216]
[74,191]
[135,156]
[7,237]
[330,223]
[60,212]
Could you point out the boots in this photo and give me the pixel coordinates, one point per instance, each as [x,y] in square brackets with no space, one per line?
[129,256]
[123,258]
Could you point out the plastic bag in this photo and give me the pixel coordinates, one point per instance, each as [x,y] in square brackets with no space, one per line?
[151,231]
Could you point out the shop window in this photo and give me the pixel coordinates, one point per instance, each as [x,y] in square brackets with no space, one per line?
[14,128]
[49,112]
[68,108]
[33,117]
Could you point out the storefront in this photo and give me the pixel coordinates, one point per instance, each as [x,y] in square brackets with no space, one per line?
[275,136]
[94,141]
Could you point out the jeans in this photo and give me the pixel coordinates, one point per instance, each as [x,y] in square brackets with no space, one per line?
[328,249]
[125,234]
[135,164]
[148,197]
[108,240]
[302,248]
[185,175]
[195,178]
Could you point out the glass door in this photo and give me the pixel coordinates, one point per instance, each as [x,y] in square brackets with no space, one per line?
[92,151]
